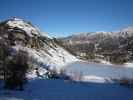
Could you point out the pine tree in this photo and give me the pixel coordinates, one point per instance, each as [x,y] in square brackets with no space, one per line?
[15,71]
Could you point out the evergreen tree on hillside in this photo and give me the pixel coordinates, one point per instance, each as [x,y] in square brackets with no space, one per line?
[15,71]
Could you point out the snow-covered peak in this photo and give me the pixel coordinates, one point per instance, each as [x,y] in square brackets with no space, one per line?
[128,29]
[29,29]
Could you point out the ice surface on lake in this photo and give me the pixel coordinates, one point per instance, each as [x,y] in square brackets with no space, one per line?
[101,72]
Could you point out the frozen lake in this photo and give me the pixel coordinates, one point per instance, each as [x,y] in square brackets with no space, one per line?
[100,70]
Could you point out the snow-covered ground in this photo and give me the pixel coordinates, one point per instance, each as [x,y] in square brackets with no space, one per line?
[66,90]
[105,62]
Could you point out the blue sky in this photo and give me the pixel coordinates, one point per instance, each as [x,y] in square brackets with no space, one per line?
[65,17]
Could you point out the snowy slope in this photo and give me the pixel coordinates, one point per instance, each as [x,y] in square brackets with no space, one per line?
[43,52]
[56,60]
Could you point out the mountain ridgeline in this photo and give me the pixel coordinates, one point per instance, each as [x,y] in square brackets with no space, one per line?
[115,47]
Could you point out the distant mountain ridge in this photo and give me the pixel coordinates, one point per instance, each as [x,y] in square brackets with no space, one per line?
[106,44]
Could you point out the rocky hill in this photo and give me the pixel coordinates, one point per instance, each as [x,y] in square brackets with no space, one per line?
[43,52]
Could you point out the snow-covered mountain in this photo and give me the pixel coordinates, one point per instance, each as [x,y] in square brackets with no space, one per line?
[101,43]
[43,51]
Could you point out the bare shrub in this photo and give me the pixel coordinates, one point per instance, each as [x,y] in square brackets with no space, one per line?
[63,74]
[75,75]
[52,74]
[124,81]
